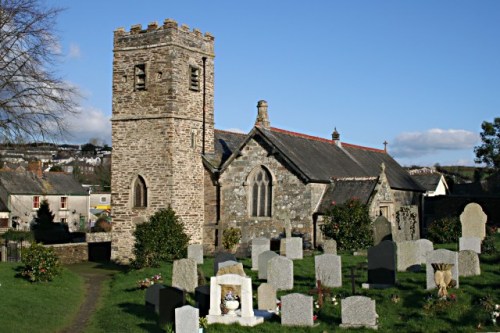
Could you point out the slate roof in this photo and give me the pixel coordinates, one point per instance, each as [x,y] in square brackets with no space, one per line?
[3,206]
[51,183]
[429,181]
[225,144]
[318,159]
[340,190]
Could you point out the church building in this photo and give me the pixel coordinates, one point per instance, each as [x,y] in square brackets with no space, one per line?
[167,152]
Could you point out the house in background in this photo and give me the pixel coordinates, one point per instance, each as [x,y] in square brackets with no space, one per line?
[23,192]
[432,180]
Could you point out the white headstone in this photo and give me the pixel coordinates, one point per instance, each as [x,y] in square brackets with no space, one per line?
[280,273]
[408,256]
[441,256]
[266,297]
[259,245]
[358,311]
[468,263]
[185,275]
[469,243]
[473,221]
[296,310]
[328,269]
[264,257]
[294,248]
[330,246]
[195,251]
[187,319]
[425,246]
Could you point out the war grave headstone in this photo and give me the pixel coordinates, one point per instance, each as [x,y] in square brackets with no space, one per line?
[468,263]
[266,297]
[280,273]
[152,297]
[246,317]
[202,299]
[470,243]
[170,299]
[294,248]
[358,311]
[264,258]
[187,319]
[259,245]
[473,221]
[297,310]
[221,257]
[195,251]
[185,274]
[425,246]
[382,230]
[408,256]
[328,268]
[381,265]
[330,246]
[441,256]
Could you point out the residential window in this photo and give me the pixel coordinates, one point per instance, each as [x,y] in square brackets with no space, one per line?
[261,193]
[64,202]
[194,78]
[102,200]
[140,77]
[140,193]
[36,202]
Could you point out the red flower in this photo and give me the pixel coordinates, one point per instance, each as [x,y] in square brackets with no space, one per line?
[315,317]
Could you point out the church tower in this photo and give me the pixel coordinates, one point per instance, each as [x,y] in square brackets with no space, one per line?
[163,121]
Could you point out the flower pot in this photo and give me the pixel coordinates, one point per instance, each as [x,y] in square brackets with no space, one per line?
[231,306]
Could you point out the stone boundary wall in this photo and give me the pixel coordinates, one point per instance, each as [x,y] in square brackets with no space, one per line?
[71,253]
[98,237]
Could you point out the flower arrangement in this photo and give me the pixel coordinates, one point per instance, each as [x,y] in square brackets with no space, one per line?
[230,297]
[437,304]
[148,282]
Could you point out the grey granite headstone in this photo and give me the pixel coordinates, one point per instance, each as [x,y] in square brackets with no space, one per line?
[187,319]
[259,245]
[221,257]
[185,275]
[441,256]
[280,273]
[408,256]
[294,248]
[468,263]
[266,297]
[425,246]
[382,230]
[152,298]
[469,243]
[264,257]
[358,311]
[328,268]
[297,310]
[330,246]
[473,221]
[195,251]
[382,265]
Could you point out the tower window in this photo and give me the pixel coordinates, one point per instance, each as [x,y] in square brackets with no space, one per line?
[140,193]
[140,77]
[194,78]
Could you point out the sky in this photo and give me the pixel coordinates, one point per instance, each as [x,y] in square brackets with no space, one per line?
[421,75]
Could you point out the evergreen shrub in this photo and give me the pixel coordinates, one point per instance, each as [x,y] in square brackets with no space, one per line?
[18,235]
[230,237]
[160,239]
[350,225]
[445,230]
[41,264]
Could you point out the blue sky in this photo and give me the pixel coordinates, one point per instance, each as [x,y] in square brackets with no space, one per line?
[422,75]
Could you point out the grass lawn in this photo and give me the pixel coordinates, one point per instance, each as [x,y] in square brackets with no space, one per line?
[37,307]
[122,308]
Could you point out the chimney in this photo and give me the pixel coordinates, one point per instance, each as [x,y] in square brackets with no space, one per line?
[336,138]
[262,117]
[36,168]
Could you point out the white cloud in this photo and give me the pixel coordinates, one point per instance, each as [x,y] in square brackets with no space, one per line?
[235,130]
[89,123]
[414,144]
[74,51]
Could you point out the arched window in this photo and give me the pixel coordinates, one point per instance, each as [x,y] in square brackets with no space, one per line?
[260,193]
[140,193]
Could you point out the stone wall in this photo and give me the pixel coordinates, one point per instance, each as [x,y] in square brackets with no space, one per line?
[71,253]
[98,237]
[157,130]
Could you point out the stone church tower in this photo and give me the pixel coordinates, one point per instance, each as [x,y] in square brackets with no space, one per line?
[163,121]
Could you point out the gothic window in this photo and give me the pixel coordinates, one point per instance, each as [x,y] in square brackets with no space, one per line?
[194,78]
[140,77]
[140,193]
[261,193]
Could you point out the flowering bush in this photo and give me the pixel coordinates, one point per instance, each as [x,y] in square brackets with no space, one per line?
[40,263]
[148,282]
[439,304]
[491,309]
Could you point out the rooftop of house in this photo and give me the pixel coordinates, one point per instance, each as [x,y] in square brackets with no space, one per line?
[48,183]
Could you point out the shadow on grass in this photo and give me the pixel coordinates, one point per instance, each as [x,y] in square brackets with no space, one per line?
[149,318]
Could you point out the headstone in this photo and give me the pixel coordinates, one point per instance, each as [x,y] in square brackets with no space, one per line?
[152,298]
[470,243]
[259,245]
[437,257]
[294,248]
[233,268]
[473,221]
[266,297]
[468,263]
[283,247]
[297,310]
[246,316]
[185,274]
[195,251]
[424,246]
[382,230]
[408,256]
[328,268]
[264,257]
[228,264]
[407,224]
[187,319]
[170,299]
[381,265]
[358,311]
[330,246]
[202,299]
[280,273]
[221,257]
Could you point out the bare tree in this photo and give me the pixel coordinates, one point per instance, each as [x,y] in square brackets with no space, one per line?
[34,100]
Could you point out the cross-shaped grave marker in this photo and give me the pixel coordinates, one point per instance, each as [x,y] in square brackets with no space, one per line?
[354,276]
[321,292]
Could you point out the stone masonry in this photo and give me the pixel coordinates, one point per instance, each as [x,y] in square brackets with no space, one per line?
[157,126]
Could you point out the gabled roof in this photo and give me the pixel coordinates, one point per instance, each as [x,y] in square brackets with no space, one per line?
[51,183]
[319,160]
[225,143]
[429,181]
[340,190]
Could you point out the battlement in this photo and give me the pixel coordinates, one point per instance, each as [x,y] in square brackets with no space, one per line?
[170,31]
